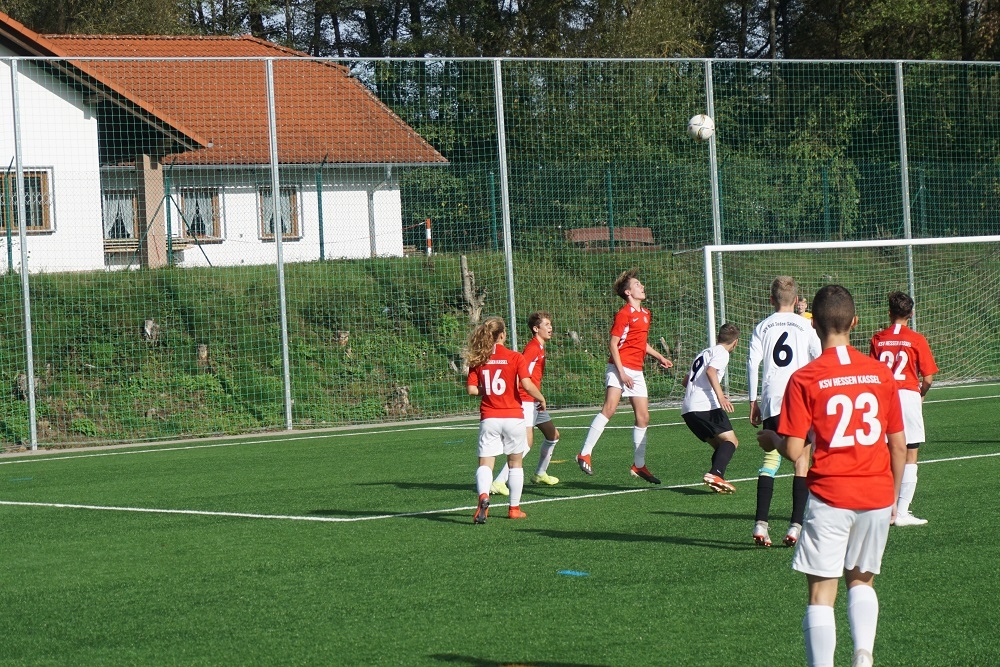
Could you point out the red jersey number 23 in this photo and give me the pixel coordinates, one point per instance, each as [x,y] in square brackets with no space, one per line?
[842,405]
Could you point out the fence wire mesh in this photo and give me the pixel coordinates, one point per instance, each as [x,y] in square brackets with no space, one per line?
[152,235]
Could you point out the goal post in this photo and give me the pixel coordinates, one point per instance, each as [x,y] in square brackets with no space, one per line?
[953,282]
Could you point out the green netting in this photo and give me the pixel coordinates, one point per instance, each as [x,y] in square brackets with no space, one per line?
[152,231]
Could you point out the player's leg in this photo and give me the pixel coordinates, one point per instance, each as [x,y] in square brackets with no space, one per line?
[913,428]
[640,405]
[800,493]
[765,489]
[551,435]
[724,445]
[515,444]
[612,396]
[819,626]
[862,614]
[499,485]
[490,446]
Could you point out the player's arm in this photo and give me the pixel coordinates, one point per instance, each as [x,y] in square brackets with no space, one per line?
[925,384]
[754,358]
[792,447]
[616,359]
[472,384]
[897,458]
[532,390]
[664,362]
[713,378]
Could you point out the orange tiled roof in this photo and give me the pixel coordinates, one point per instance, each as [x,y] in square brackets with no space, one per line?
[321,112]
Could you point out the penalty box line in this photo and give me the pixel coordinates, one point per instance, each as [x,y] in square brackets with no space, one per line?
[401,515]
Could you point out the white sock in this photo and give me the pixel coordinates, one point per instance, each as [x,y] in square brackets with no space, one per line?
[820,629]
[594,433]
[515,483]
[545,456]
[639,440]
[862,614]
[906,488]
[484,476]
[502,475]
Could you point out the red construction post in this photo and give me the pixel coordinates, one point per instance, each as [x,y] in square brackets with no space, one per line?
[429,246]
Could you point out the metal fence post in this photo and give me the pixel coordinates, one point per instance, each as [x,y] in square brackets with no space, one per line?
[508,246]
[272,129]
[713,160]
[904,169]
[22,219]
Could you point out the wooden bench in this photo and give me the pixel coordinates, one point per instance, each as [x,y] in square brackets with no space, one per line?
[599,238]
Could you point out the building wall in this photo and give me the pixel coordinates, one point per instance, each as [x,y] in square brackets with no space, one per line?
[58,135]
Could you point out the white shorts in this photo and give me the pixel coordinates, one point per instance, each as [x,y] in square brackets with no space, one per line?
[532,415]
[913,416]
[502,435]
[611,379]
[835,539]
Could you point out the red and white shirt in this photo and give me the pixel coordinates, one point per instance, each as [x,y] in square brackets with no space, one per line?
[498,380]
[534,356]
[631,325]
[851,402]
[906,353]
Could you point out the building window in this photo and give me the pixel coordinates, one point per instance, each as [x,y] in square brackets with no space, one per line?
[37,201]
[200,207]
[119,213]
[287,207]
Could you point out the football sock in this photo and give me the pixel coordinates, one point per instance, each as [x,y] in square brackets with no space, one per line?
[765,489]
[720,459]
[800,494]
[594,433]
[545,456]
[515,483]
[820,629]
[906,488]
[862,614]
[639,440]
[484,477]
[502,475]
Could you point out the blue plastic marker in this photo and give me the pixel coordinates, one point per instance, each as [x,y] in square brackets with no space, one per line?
[574,573]
[21,479]
[453,442]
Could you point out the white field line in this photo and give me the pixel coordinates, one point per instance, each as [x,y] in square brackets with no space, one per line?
[450,510]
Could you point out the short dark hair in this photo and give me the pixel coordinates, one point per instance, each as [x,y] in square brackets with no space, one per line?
[900,304]
[621,284]
[535,319]
[728,332]
[833,309]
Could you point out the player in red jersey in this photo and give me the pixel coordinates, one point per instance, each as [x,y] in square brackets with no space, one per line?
[851,404]
[540,324]
[909,357]
[495,373]
[629,347]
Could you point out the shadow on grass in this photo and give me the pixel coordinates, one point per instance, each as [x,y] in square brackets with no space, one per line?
[702,515]
[629,537]
[422,486]
[480,662]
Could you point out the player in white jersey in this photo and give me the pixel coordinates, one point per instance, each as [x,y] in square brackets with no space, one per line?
[705,405]
[784,342]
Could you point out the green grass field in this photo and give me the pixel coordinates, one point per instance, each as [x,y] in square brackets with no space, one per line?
[357,548]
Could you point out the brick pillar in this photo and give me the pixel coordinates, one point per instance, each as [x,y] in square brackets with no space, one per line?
[150,217]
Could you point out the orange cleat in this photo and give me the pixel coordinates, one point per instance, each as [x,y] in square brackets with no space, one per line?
[483,509]
[516,513]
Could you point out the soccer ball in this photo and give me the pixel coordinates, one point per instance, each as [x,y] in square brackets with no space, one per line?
[701,127]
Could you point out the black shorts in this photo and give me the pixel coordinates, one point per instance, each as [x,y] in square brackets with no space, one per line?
[707,425]
[771,423]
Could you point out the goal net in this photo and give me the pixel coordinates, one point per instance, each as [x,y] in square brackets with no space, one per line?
[953,282]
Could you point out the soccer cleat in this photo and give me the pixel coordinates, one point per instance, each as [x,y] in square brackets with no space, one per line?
[792,536]
[516,513]
[584,461]
[545,478]
[862,658]
[760,536]
[718,484]
[907,519]
[482,509]
[644,473]
[499,488]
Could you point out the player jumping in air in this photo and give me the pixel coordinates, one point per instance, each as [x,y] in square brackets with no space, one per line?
[705,405]
[784,342]
[540,324]
[909,356]
[629,347]
[495,374]
[851,404]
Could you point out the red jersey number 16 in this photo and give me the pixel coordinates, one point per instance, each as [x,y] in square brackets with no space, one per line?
[495,387]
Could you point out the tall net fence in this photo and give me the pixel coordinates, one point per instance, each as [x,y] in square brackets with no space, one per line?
[160,192]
